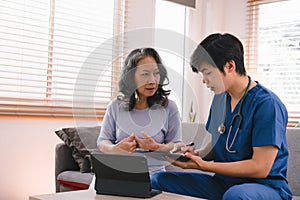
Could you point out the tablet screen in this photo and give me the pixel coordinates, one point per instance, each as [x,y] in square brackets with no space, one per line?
[161,155]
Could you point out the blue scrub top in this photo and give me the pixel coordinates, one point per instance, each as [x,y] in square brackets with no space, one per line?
[264,123]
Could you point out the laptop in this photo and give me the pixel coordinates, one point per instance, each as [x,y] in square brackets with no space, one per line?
[122,175]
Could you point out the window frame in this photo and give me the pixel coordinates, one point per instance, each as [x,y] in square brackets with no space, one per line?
[251,53]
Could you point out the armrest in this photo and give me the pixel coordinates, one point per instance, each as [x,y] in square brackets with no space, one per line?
[63,161]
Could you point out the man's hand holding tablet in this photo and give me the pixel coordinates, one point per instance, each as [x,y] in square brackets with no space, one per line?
[163,155]
[177,154]
[176,157]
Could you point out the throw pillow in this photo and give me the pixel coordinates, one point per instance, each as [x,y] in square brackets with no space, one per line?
[82,141]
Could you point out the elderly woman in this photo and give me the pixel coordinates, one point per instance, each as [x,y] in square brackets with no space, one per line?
[142,116]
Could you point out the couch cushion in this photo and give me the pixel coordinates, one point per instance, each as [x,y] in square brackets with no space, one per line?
[293,136]
[74,180]
[82,141]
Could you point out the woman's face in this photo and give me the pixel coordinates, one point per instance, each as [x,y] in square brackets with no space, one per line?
[147,77]
[213,78]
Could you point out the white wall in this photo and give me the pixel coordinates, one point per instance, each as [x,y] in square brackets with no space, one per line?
[27,145]
[211,16]
[27,155]
[140,19]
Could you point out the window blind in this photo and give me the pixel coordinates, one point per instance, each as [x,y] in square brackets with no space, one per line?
[273,49]
[58,58]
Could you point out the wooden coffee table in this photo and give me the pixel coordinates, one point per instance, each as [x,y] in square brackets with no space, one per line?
[91,195]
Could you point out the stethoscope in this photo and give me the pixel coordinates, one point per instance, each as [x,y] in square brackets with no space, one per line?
[222,127]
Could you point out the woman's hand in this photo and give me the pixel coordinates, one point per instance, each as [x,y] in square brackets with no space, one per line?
[147,143]
[183,148]
[127,144]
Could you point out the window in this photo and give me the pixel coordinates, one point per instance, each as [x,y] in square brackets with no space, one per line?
[57,58]
[172,16]
[273,49]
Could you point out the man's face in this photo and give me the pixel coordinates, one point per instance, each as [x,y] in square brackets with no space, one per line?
[212,77]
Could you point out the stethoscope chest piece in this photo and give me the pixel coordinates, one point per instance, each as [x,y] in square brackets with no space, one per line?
[222,128]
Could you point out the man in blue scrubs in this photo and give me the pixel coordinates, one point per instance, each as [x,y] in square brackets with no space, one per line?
[248,126]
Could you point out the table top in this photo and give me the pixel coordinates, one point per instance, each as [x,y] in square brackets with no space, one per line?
[91,195]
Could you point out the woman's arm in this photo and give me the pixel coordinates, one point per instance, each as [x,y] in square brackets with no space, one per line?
[166,147]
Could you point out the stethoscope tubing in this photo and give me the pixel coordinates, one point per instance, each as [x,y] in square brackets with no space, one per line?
[222,127]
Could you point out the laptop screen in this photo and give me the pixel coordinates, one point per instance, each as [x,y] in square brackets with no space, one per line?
[120,167]
[122,174]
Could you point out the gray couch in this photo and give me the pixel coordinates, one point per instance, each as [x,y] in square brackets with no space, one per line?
[68,177]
